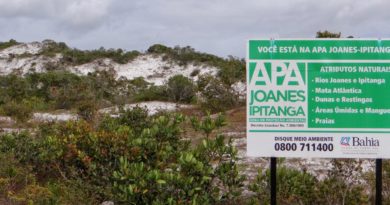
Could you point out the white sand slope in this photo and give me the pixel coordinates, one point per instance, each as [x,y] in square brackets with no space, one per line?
[153,107]
[151,67]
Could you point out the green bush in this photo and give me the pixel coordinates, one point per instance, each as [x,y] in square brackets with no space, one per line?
[137,118]
[159,49]
[327,34]
[340,186]
[133,159]
[14,88]
[64,90]
[293,187]
[335,190]
[151,93]
[231,70]
[21,112]
[216,96]
[181,89]
[87,110]
[139,83]
[77,57]
[52,48]
[11,42]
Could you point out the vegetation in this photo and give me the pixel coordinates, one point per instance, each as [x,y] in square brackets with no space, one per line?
[59,90]
[53,90]
[181,89]
[152,93]
[146,162]
[216,96]
[327,34]
[20,111]
[77,57]
[231,70]
[140,159]
[386,182]
[300,187]
[11,42]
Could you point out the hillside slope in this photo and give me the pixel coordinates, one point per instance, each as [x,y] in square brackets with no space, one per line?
[29,57]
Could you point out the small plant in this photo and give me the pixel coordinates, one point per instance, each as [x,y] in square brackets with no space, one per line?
[207,125]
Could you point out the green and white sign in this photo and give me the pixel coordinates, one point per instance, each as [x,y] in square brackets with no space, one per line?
[318,98]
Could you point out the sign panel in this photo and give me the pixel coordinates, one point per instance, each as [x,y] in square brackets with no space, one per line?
[318,98]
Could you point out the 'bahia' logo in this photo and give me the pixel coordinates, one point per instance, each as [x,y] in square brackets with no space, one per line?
[345,141]
[365,142]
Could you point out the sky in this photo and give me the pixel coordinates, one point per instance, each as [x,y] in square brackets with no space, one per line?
[220,27]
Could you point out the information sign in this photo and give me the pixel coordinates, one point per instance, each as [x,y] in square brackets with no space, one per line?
[318,98]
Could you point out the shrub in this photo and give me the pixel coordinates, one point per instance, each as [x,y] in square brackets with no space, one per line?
[10,43]
[207,125]
[77,57]
[87,110]
[20,185]
[153,165]
[65,90]
[231,70]
[341,185]
[195,73]
[334,190]
[151,93]
[52,48]
[14,87]
[36,103]
[216,96]
[33,194]
[139,83]
[299,187]
[21,112]
[159,49]
[327,34]
[180,89]
[137,118]
[293,186]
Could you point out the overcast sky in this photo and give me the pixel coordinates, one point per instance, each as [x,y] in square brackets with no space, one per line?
[219,27]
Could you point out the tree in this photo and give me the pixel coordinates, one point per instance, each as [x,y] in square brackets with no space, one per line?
[216,96]
[328,34]
[159,48]
[180,89]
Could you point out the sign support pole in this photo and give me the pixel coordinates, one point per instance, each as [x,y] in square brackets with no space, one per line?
[378,181]
[273,180]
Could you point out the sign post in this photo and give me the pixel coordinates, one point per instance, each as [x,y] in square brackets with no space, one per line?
[273,180]
[326,98]
[378,181]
